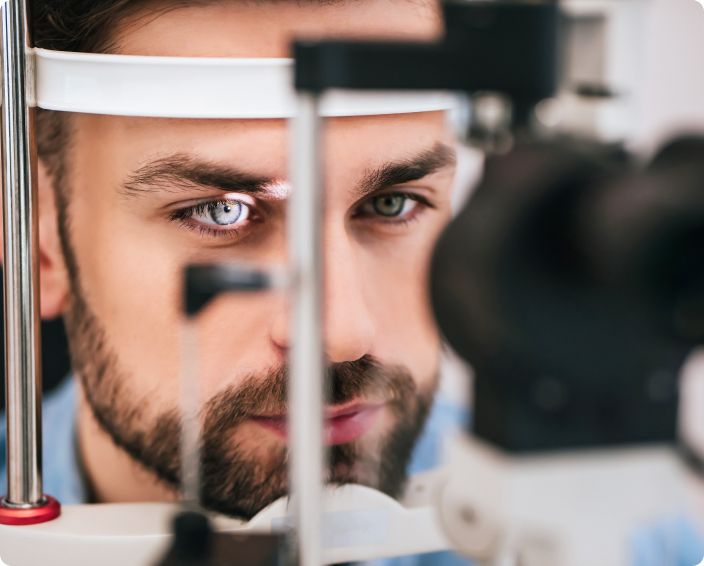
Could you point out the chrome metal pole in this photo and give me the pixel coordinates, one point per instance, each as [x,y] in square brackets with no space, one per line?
[190,426]
[22,339]
[307,367]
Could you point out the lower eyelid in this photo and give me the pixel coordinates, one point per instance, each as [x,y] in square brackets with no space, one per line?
[210,231]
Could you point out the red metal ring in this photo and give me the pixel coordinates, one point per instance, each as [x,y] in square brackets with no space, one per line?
[32,516]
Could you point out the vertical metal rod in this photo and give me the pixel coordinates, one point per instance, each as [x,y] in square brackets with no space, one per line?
[306,362]
[190,425]
[22,339]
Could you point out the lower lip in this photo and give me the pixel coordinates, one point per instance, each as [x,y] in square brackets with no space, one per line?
[338,430]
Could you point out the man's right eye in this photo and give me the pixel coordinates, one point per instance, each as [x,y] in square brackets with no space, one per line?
[221,213]
[221,217]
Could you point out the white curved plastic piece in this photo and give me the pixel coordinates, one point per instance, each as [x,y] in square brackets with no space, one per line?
[579,507]
[360,524]
[198,87]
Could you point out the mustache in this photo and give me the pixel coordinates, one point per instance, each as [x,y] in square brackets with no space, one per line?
[267,394]
[239,483]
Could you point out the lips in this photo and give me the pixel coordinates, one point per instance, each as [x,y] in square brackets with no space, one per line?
[343,423]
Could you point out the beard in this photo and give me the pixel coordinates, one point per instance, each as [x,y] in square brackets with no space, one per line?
[235,479]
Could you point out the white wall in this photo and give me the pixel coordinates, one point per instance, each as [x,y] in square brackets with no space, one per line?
[673,83]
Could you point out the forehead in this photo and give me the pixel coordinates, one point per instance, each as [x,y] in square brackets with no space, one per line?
[261,29]
[265,28]
[259,146]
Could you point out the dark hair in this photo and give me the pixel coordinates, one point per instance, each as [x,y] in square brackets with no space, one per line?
[78,25]
[72,25]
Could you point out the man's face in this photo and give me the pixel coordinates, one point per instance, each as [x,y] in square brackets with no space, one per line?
[146,197]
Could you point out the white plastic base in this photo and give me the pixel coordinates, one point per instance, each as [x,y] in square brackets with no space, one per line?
[573,508]
[359,524]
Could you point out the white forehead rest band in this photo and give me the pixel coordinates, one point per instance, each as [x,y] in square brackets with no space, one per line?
[198,87]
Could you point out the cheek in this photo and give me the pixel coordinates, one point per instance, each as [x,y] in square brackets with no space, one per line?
[131,273]
[233,340]
[398,298]
[132,283]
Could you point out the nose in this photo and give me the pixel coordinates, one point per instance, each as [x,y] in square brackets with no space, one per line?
[348,325]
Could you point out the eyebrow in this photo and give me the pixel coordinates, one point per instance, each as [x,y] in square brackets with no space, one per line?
[415,168]
[180,172]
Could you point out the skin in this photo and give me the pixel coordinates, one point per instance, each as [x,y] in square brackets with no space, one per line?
[130,251]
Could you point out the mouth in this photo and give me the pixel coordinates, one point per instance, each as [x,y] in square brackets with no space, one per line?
[342,423]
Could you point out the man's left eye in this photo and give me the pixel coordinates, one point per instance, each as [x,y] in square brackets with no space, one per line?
[395,205]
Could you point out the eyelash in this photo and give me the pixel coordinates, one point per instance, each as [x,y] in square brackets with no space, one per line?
[184,216]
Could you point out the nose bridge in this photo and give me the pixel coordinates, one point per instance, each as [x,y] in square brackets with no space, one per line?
[348,323]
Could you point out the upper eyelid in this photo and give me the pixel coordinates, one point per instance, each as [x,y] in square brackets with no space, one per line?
[223,197]
[402,190]
[257,210]
[421,199]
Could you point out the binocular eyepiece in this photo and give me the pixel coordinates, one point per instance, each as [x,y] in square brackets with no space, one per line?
[575,278]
